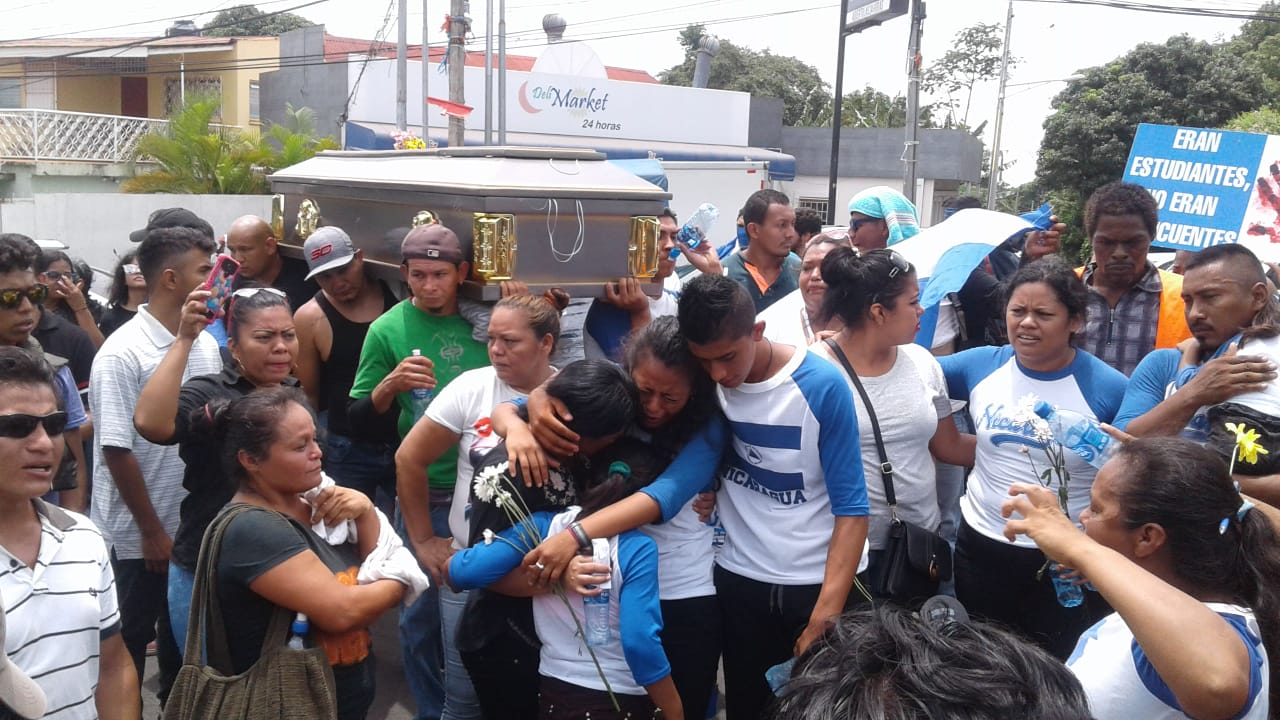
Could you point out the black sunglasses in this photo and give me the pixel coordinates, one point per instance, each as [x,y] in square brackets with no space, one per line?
[900,264]
[11,299]
[20,425]
[855,224]
[56,275]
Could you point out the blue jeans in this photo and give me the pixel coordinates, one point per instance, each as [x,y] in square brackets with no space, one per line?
[460,701]
[364,466]
[421,643]
[181,584]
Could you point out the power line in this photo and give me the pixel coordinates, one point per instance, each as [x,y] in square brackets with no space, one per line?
[1224,13]
[71,34]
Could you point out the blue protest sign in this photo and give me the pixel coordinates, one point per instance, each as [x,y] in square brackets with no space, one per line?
[1203,182]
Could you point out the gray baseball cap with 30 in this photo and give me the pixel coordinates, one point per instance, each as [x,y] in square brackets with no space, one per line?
[328,248]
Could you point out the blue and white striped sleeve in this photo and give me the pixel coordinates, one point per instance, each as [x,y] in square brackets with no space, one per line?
[967,368]
[831,402]
[692,471]
[639,611]
[482,564]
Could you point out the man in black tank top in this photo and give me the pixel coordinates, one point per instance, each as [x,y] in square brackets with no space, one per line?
[331,331]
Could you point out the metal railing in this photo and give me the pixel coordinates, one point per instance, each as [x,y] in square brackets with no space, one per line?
[59,135]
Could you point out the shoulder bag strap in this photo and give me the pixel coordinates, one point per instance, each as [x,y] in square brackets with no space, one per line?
[886,467]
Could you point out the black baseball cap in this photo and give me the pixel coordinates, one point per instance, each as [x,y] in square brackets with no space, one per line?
[172,217]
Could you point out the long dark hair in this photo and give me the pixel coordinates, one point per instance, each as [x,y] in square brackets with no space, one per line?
[662,342]
[1186,489]
[119,294]
[625,467]
[856,282]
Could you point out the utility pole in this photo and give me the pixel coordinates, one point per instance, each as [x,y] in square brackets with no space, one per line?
[457,64]
[911,149]
[488,72]
[837,120]
[502,72]
[993,178]
[426,81]
[402,67]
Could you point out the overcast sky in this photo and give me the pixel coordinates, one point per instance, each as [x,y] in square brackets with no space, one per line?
[1052,39]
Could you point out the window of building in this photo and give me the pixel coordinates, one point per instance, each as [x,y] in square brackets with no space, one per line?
[255,109]
[10,93]
[207,85]
[813,203]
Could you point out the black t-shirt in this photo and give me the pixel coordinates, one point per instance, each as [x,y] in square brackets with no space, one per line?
[338,373]
[208,487]
[292,280]
[66,340]
[113,317]
[490,615]
[255,542]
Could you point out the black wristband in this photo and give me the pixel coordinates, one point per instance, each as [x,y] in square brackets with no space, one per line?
[579,534]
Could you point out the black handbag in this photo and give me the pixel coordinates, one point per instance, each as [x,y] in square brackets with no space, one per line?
[914,560]
[1223,441]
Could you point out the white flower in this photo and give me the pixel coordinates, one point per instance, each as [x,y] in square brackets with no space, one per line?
[1028,402]
[1043,433]
[488,482]
[488,537]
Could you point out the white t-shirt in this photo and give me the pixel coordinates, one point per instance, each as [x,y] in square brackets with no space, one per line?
[908,400]
[786,321]
[1266,400]
[666,304]
[463,407]
[1122,685]
[122,367]
[789,469]
[995,383]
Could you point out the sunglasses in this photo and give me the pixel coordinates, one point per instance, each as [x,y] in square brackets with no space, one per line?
[56,275]
[250,292]
[19,425]
[900,264]
[855,224]
[131,269]
[11,299]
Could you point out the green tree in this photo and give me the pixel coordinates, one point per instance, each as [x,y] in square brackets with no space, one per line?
[871,108]
[193,155]
[974,57]
[1259,44]
[1265,120]
[1087,138]
[247,20]
[806,97]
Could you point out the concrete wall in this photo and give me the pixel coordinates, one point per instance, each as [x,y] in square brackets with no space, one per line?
[928,197]
[89,94]
[764,129]
[97,226]
[877,153]
[321,87]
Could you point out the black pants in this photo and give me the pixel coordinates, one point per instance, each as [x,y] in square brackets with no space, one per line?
[505,676]
[144,616]
[761,625]
[559,700]
[691,637]
[997,581]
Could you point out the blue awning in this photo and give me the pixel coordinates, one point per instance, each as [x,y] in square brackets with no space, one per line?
[377,136]
[646,169]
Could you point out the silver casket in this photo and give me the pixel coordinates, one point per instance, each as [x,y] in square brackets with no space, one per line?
[547,217]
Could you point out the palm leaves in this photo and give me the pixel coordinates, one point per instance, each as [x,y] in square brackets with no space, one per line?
[192,155]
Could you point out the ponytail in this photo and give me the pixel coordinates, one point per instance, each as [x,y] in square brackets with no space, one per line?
[1258,559]
[856,282]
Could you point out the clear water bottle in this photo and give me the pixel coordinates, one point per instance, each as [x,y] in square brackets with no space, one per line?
[595,610]
[696,228]
[420,398]
[1069,594]
[298,632]
[1078,434]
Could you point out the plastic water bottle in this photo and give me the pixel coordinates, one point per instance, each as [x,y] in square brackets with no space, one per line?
[1079,434]
[779,675]
[1069,594]
[595,610]
[299,630]
[420,398]
[696,228]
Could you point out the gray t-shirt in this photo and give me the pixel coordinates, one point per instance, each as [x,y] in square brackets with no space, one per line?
[908,400]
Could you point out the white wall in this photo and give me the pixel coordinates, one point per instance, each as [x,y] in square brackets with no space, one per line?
[814,186]
[96,226]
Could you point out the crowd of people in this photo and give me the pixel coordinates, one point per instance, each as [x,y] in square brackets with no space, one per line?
[718,480]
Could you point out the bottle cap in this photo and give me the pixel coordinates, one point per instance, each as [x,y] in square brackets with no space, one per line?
[1043,409]
[416,352]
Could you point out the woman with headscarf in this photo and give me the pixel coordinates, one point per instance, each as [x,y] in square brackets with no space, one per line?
[881,217]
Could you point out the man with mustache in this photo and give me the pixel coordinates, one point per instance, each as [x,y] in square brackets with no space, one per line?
[1133,307]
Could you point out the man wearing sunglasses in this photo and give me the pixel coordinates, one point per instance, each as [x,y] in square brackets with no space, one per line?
[20,300]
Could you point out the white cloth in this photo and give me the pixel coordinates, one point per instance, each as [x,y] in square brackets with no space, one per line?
[908,400]
[463,407]
[785,321]
[1121,683]
[389,559]
[1266,400]
[122,367]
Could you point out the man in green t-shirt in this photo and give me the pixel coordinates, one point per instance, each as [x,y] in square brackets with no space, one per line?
[433,265]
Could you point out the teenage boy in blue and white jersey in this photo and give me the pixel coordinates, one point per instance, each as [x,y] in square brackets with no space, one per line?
[792,496]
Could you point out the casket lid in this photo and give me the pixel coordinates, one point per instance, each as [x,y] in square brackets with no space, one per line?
[484,171]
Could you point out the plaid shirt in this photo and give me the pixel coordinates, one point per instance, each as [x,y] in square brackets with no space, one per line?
[1123,335]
